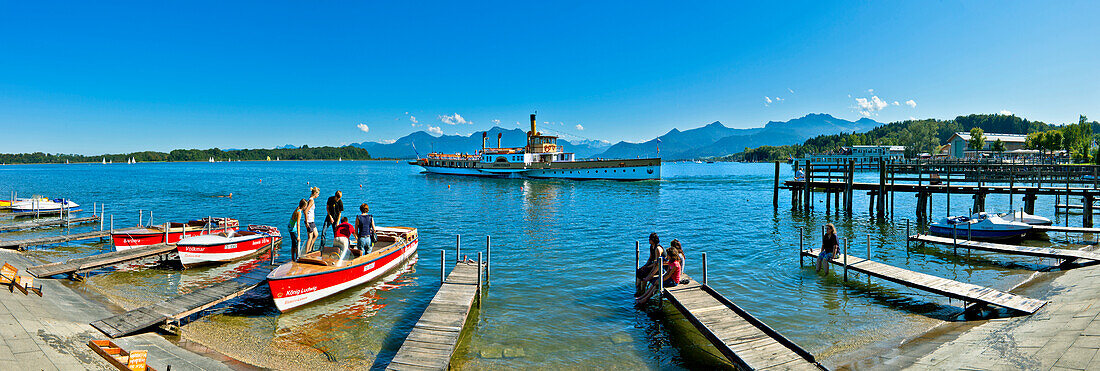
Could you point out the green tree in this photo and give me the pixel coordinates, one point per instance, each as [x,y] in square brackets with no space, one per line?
[998,146]
[977,139]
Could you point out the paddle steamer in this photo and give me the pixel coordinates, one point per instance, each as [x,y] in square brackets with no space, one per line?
[542,157]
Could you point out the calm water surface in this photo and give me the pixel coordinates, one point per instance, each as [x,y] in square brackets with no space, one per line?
[563,258]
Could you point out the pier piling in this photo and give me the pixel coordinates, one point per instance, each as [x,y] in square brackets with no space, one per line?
[442,266]
[488,259]
[705,268]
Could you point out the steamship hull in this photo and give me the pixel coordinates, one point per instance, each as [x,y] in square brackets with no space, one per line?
[638,169]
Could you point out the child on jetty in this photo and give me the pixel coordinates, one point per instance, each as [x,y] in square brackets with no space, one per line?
[829,248]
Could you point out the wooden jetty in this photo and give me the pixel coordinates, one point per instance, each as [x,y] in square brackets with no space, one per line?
[1057,228]
[22,244]
[942,286]
[1066,255]
[47,223]
[743,339]
[433,339]
[41,212]
[170,311]
[74,267]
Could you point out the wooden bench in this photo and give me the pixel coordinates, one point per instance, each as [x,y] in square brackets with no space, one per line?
[26,285]
[8,275]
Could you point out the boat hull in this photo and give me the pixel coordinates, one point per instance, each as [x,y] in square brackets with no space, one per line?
[124,240]
[979,234]
[198,254]
[638,169]
[294,291]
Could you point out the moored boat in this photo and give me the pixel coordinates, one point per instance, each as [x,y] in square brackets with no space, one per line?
[43,205]
[1029,219]
[322,273]
[226,246]
[156,234]
[982,226]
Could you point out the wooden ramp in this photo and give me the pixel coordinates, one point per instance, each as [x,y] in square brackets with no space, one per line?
[744,340]
[434,338]
[87,263]
[942,286]
[1055,228]
[172,310]
[47,223]
[1043,252]
[21,244]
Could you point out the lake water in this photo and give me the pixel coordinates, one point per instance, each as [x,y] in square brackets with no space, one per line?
[563,260]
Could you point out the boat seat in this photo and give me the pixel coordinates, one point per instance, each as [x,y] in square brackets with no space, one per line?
[314,261]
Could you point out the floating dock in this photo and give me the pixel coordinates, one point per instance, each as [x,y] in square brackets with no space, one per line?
[41,212]
[744,340]
[942,286]
[433,339]
[21,244]
[73,267]
[172,310]
[1043,252]
[1055,228]
[47,223]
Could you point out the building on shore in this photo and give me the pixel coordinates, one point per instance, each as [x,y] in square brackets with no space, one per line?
[960,144]
[865,157]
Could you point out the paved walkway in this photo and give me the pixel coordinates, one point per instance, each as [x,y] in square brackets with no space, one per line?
[1063,335]
[52,332]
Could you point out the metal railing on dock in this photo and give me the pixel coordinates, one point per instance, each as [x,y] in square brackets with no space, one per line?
[48,223]
[22,244]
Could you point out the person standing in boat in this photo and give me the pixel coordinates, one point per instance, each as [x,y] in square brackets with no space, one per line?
[829,248]
[651,266]
[364,223]
[311,217]
[341,238]
[292,227]
[334,207]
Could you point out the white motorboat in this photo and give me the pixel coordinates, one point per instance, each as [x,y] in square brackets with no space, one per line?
[1021,216]
[226,246]
[40,205]
[980,226]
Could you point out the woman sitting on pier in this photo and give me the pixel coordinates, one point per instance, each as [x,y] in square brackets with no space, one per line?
[672,276]
[829,248]
[651,266]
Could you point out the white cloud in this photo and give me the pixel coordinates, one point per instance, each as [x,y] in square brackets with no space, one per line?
[778,99]
[387,141]
[579,127]
[896,103]
[414,120]
[455,119]
[868,107]
[1006,112]
[363,127]
[766,99]
[790,90]
[406,112]
[496,122]
[871,91]
[435,130]
[911,103]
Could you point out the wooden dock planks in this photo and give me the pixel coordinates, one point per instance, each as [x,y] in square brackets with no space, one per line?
[21,244]
[743,339]
[942,286]
[1055,228]
[181,306]
[47,223]
[1043,252]
[43,212]
[433,339]
[100,260]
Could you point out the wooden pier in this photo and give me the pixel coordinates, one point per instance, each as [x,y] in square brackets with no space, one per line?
[1065,255]
[74,267]
[942,286]
[22,244]
[37,213]
[171,311]
[47,223]
[433,339]
[744,340]
[1057,228]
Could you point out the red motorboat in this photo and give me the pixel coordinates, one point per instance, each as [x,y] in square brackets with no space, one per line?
[157,234]
[226,246]
[323,273]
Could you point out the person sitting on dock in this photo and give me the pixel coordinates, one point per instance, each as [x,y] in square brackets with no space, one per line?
[311,217]
[292,228]
[672,276]
[364,224]
[341,237]
[651,266]
[829,248]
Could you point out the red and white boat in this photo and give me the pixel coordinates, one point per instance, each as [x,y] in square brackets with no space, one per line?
[322,273]
[226,246]
[157,234]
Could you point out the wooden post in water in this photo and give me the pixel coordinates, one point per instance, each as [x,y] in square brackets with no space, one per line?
[661,282]
[442,266]
[479,279]
[488,259]
[705,268]
[845,260]
[954,236]
[140,214]
[101,207]
[458,247]
[948,190]
[848,187]
[112,223]
[637,255]
[868,247]
[801,232]
[806,201]
[166,233]
[150,218]
[907,235]
[775,187]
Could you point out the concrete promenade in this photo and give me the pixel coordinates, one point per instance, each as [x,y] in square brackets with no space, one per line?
[52,332]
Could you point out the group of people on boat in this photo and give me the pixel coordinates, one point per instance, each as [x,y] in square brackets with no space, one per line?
[649,277]
[363,230]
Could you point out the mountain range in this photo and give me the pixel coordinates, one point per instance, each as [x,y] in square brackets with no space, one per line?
[714,139]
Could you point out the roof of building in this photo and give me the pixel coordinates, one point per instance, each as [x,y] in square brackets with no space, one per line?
[991,137]
[891,148]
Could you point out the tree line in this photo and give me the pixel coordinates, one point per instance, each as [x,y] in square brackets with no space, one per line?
[301,153]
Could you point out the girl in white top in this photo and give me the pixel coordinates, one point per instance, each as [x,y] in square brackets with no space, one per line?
[311,225]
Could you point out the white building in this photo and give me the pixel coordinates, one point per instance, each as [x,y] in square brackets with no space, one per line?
[865,157]
[961,140]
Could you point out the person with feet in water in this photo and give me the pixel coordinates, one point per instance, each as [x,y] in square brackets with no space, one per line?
[673,273]
[829,248]
[651,266]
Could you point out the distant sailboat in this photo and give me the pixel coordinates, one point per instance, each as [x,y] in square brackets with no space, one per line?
[211,160]
[104,160]
[340,159]
[276,158]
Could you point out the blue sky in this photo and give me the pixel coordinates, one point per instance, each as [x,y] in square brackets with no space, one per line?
[91,77]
